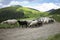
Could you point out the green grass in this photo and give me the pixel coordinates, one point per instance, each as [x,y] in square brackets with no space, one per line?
[8,26]
[57,18]
[51,37]
[28,18]
[54,37]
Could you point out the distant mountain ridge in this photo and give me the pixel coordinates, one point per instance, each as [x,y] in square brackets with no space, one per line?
[56,11]
[51,10]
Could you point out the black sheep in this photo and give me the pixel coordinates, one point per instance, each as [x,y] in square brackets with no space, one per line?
[23,23]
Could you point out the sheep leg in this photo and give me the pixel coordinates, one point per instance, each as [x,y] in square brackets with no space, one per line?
[29,26]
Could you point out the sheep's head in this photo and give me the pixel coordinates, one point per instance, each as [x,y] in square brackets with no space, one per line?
[4,22]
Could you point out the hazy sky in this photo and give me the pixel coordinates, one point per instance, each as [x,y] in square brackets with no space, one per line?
[42,5]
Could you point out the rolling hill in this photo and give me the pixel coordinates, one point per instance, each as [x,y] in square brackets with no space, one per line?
[17,12]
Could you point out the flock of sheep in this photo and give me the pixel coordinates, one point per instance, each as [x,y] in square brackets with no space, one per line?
[30,23]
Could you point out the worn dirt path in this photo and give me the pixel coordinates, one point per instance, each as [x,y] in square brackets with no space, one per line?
[30,33]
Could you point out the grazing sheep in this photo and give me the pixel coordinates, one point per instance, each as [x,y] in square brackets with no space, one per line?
[45,20]
[23,23]
[51,20]
[35,23]
[11,21]
[29,21]
[39,23]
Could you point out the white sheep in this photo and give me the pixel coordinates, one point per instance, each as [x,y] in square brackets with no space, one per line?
[11,21]
[33,23]
[46,20]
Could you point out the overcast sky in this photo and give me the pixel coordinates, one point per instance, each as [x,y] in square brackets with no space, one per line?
[42,5]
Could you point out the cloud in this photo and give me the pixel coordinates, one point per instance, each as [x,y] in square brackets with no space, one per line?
[31,0]
[12,3]
[45,6]
[1,0]
[28,0]
[0,4]
[16,3]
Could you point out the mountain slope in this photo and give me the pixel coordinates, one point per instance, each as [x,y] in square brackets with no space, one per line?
[56,14]
[57,11]
[17,12]
[51,10]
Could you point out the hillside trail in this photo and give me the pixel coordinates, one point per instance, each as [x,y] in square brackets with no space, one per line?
[30,33]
